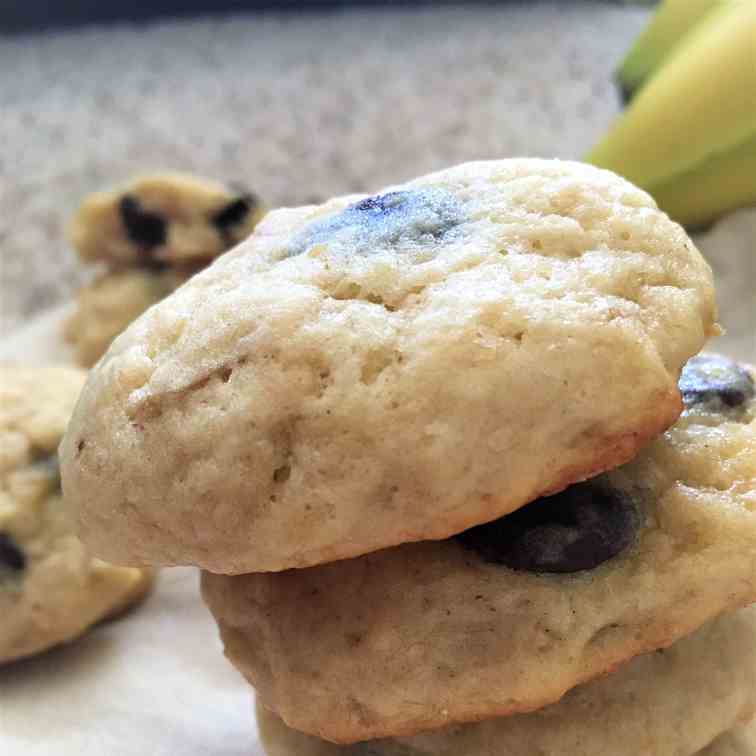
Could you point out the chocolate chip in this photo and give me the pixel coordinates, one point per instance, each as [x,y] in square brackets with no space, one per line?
[144,227]
[417,212]
[574,530]
[233,212]
[413,217]
[11,556]
[715,380]
[383,204]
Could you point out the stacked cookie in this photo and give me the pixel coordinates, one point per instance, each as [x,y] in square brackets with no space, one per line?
[428,448]
[151,235]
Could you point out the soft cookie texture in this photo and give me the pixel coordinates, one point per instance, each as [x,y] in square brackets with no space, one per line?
[51,589]
[152,235]
[669,703]
[389,369]
[508,616]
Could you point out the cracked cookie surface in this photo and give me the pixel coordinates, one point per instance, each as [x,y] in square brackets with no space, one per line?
[427,634]
[51,589]
[660,704]
[387,369]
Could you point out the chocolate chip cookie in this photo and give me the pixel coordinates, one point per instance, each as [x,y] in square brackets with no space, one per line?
[388,369]
[674,701]
[508,616]
[152,235]
[51,589]
[163,219]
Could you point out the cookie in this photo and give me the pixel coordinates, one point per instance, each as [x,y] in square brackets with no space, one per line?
[107,305]
[507,616]
[51,589]
[668,703]
[163,219]
[152,235]
[390,369]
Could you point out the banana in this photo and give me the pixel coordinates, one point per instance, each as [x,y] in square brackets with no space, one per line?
[671,22]
[702,102]
[716,186]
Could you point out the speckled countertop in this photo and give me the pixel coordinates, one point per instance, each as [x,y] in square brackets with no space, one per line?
[296,106]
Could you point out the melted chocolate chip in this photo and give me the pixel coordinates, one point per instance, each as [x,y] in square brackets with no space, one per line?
[233,212]
[11,556]
[715,380]
[383,204]
[413,217]
[144,227]
[574,530]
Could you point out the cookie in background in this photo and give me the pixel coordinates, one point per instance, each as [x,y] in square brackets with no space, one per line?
[150,235]
[51,589]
